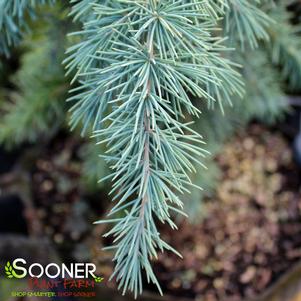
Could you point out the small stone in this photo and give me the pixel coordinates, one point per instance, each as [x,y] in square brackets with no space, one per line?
[248,275]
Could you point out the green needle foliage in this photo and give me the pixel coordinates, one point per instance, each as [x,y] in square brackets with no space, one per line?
[13,14]
[139,64]
[285,48]
[41,86]
[94,166]
[36,94]
[245,21]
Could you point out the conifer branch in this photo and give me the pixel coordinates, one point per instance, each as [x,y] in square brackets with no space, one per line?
[140,68]
[142,61]
[246,22]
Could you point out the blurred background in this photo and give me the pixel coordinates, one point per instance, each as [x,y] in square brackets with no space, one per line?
[243,238]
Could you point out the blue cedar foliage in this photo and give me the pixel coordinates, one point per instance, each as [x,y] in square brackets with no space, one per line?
[144,66]
[139,63]
[264,98]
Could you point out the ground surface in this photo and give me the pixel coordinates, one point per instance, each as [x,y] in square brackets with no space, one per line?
[248,237]
[250,233]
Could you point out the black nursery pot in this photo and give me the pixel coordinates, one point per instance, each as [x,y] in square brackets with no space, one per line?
[7,159]
[12,215]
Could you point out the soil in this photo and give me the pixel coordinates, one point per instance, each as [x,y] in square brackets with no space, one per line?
[250,234]
[64,209]
[248,237]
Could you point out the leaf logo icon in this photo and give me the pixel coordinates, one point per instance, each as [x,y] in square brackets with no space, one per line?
[9,270]
[98,279]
